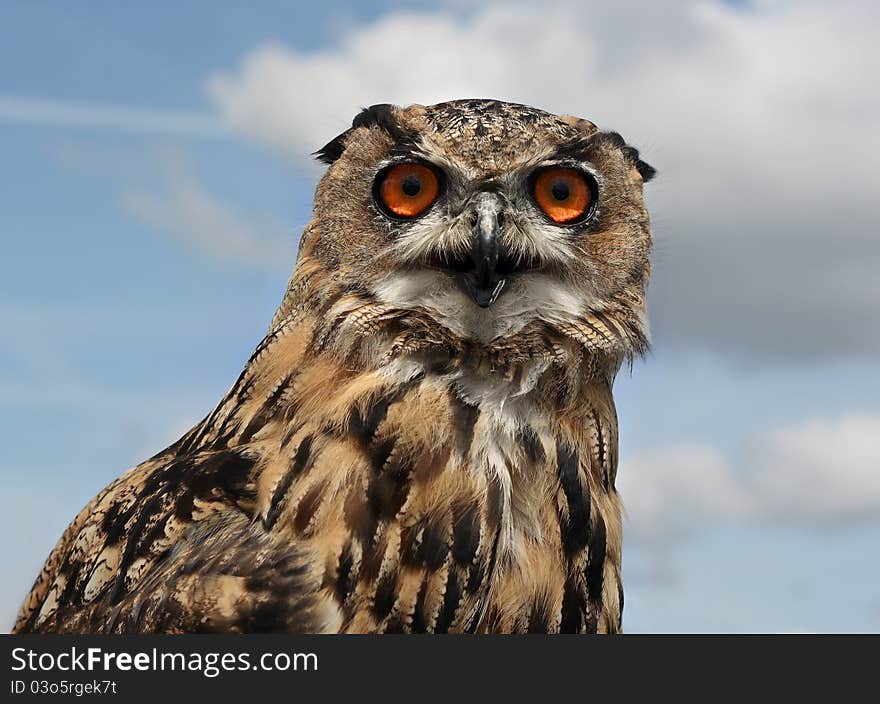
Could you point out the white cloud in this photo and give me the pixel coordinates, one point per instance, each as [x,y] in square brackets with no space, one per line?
[191,214]
[16,109]
[818,471]
[666,491]
[758,118]
[821,473]
[560,56]
[298,101]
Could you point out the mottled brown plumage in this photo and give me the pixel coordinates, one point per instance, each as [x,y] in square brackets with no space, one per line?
[395,457]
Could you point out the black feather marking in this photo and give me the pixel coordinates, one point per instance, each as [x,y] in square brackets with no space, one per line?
[576,531]
[380,452]
[386,595]
[466,534]
[373,553]
[409,540]
[596,562]
[420,613]
[147,511]
[292,430]
[303,453]
[364,425]
[494,503]
[481,572]
[308,506]
[573,608]
[396,624]
[434,548]
[476,575]
[539,620]
[266,412]
[451,601]
[387,492]
[424,544]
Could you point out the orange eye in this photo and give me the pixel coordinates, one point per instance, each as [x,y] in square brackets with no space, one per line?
[563,194]
[408,190]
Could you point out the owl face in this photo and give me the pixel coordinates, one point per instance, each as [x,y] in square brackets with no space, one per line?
[483,215]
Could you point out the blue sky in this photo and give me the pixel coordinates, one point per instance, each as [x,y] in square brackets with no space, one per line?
[155,178]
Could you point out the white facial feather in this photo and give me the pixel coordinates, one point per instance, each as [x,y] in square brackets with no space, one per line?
[529,297]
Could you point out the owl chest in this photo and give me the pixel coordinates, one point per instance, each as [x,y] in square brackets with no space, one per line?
[442,511]
[529,568]
[555,561]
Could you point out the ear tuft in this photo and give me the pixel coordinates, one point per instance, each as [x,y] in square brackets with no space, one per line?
[331,151]
[579,123]
[380,115]
[646,170]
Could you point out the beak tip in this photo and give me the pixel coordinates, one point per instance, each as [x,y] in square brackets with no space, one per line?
[483,296]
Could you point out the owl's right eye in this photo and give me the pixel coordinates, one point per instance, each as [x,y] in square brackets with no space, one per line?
[407,190]
[565,195]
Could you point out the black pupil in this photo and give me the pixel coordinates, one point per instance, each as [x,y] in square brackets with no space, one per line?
[560,190]
[411,185]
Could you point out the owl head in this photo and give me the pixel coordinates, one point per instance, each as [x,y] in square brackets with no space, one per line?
[486,218]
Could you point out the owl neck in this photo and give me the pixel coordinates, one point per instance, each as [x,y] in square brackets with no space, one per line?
[352,324]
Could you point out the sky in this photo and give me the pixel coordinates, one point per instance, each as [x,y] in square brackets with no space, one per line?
[156,176]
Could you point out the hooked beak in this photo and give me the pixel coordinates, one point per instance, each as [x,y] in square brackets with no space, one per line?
[483,282]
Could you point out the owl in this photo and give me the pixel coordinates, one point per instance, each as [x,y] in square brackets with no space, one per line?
[426,439]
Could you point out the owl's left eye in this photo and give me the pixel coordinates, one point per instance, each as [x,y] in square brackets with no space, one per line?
[565,195]
[407,190]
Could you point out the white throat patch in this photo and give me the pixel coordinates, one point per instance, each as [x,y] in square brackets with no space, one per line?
[530,297]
